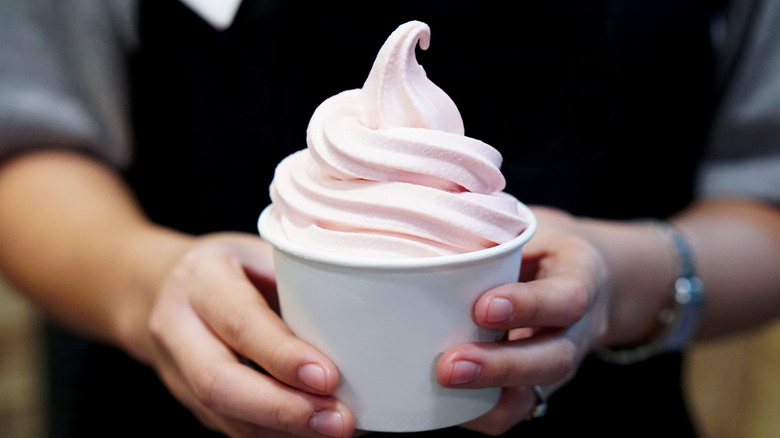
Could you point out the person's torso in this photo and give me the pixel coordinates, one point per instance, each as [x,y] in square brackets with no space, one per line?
[598,107]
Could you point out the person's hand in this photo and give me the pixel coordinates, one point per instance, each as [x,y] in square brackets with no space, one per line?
[554,317]
[212,318]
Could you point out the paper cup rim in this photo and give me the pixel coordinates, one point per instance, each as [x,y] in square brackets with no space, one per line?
[280,242]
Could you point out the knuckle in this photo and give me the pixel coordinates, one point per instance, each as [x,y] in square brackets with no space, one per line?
[156,325]
[282,359]
[566,360]
[236,326]
[206,387]
[183,271]
[507,372]
[580,299]
[529,311]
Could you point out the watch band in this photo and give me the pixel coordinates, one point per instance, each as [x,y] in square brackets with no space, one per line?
[681,322]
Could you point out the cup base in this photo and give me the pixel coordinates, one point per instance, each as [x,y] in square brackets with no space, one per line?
[448,413]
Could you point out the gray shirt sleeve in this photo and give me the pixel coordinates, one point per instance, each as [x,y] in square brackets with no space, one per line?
[62,76]
[744,153]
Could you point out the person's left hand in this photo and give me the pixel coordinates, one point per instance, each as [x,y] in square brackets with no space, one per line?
[554,316]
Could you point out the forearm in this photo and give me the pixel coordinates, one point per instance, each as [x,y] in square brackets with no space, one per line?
[736,248]
[77,243]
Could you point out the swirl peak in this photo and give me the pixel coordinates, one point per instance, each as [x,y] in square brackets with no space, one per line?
[398,93]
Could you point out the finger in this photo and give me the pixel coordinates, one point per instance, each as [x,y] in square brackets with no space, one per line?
[238,314]
[513,407]
[542,359]
[552,302]
[212,420]
[230,426]
[258,263]
[530,266]
[233,394]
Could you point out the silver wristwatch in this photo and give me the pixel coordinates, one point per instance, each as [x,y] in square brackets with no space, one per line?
[681,321]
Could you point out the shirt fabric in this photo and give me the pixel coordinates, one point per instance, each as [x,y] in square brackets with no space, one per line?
[63,84]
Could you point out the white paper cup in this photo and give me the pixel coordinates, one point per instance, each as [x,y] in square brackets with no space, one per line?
[386,322]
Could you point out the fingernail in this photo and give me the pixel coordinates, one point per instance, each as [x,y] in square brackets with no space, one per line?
[327,423]
[313,376]
[499,310]
[464,371]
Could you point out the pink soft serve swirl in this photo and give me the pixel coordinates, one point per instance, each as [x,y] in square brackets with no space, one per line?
[388,171]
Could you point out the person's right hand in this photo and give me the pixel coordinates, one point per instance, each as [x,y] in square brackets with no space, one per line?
[211,315]
[196,309]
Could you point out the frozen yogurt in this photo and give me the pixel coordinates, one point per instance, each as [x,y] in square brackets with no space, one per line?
[389,172]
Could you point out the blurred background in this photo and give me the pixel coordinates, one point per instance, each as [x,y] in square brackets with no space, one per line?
[733,383]
[21,387]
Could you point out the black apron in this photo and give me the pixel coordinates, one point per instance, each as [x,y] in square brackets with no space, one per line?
[598,107]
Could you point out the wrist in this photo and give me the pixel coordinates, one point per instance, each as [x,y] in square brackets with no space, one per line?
[679,320]
[149,252]
[642,270]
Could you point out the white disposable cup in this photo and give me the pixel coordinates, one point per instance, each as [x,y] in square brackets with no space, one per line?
[386,322]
